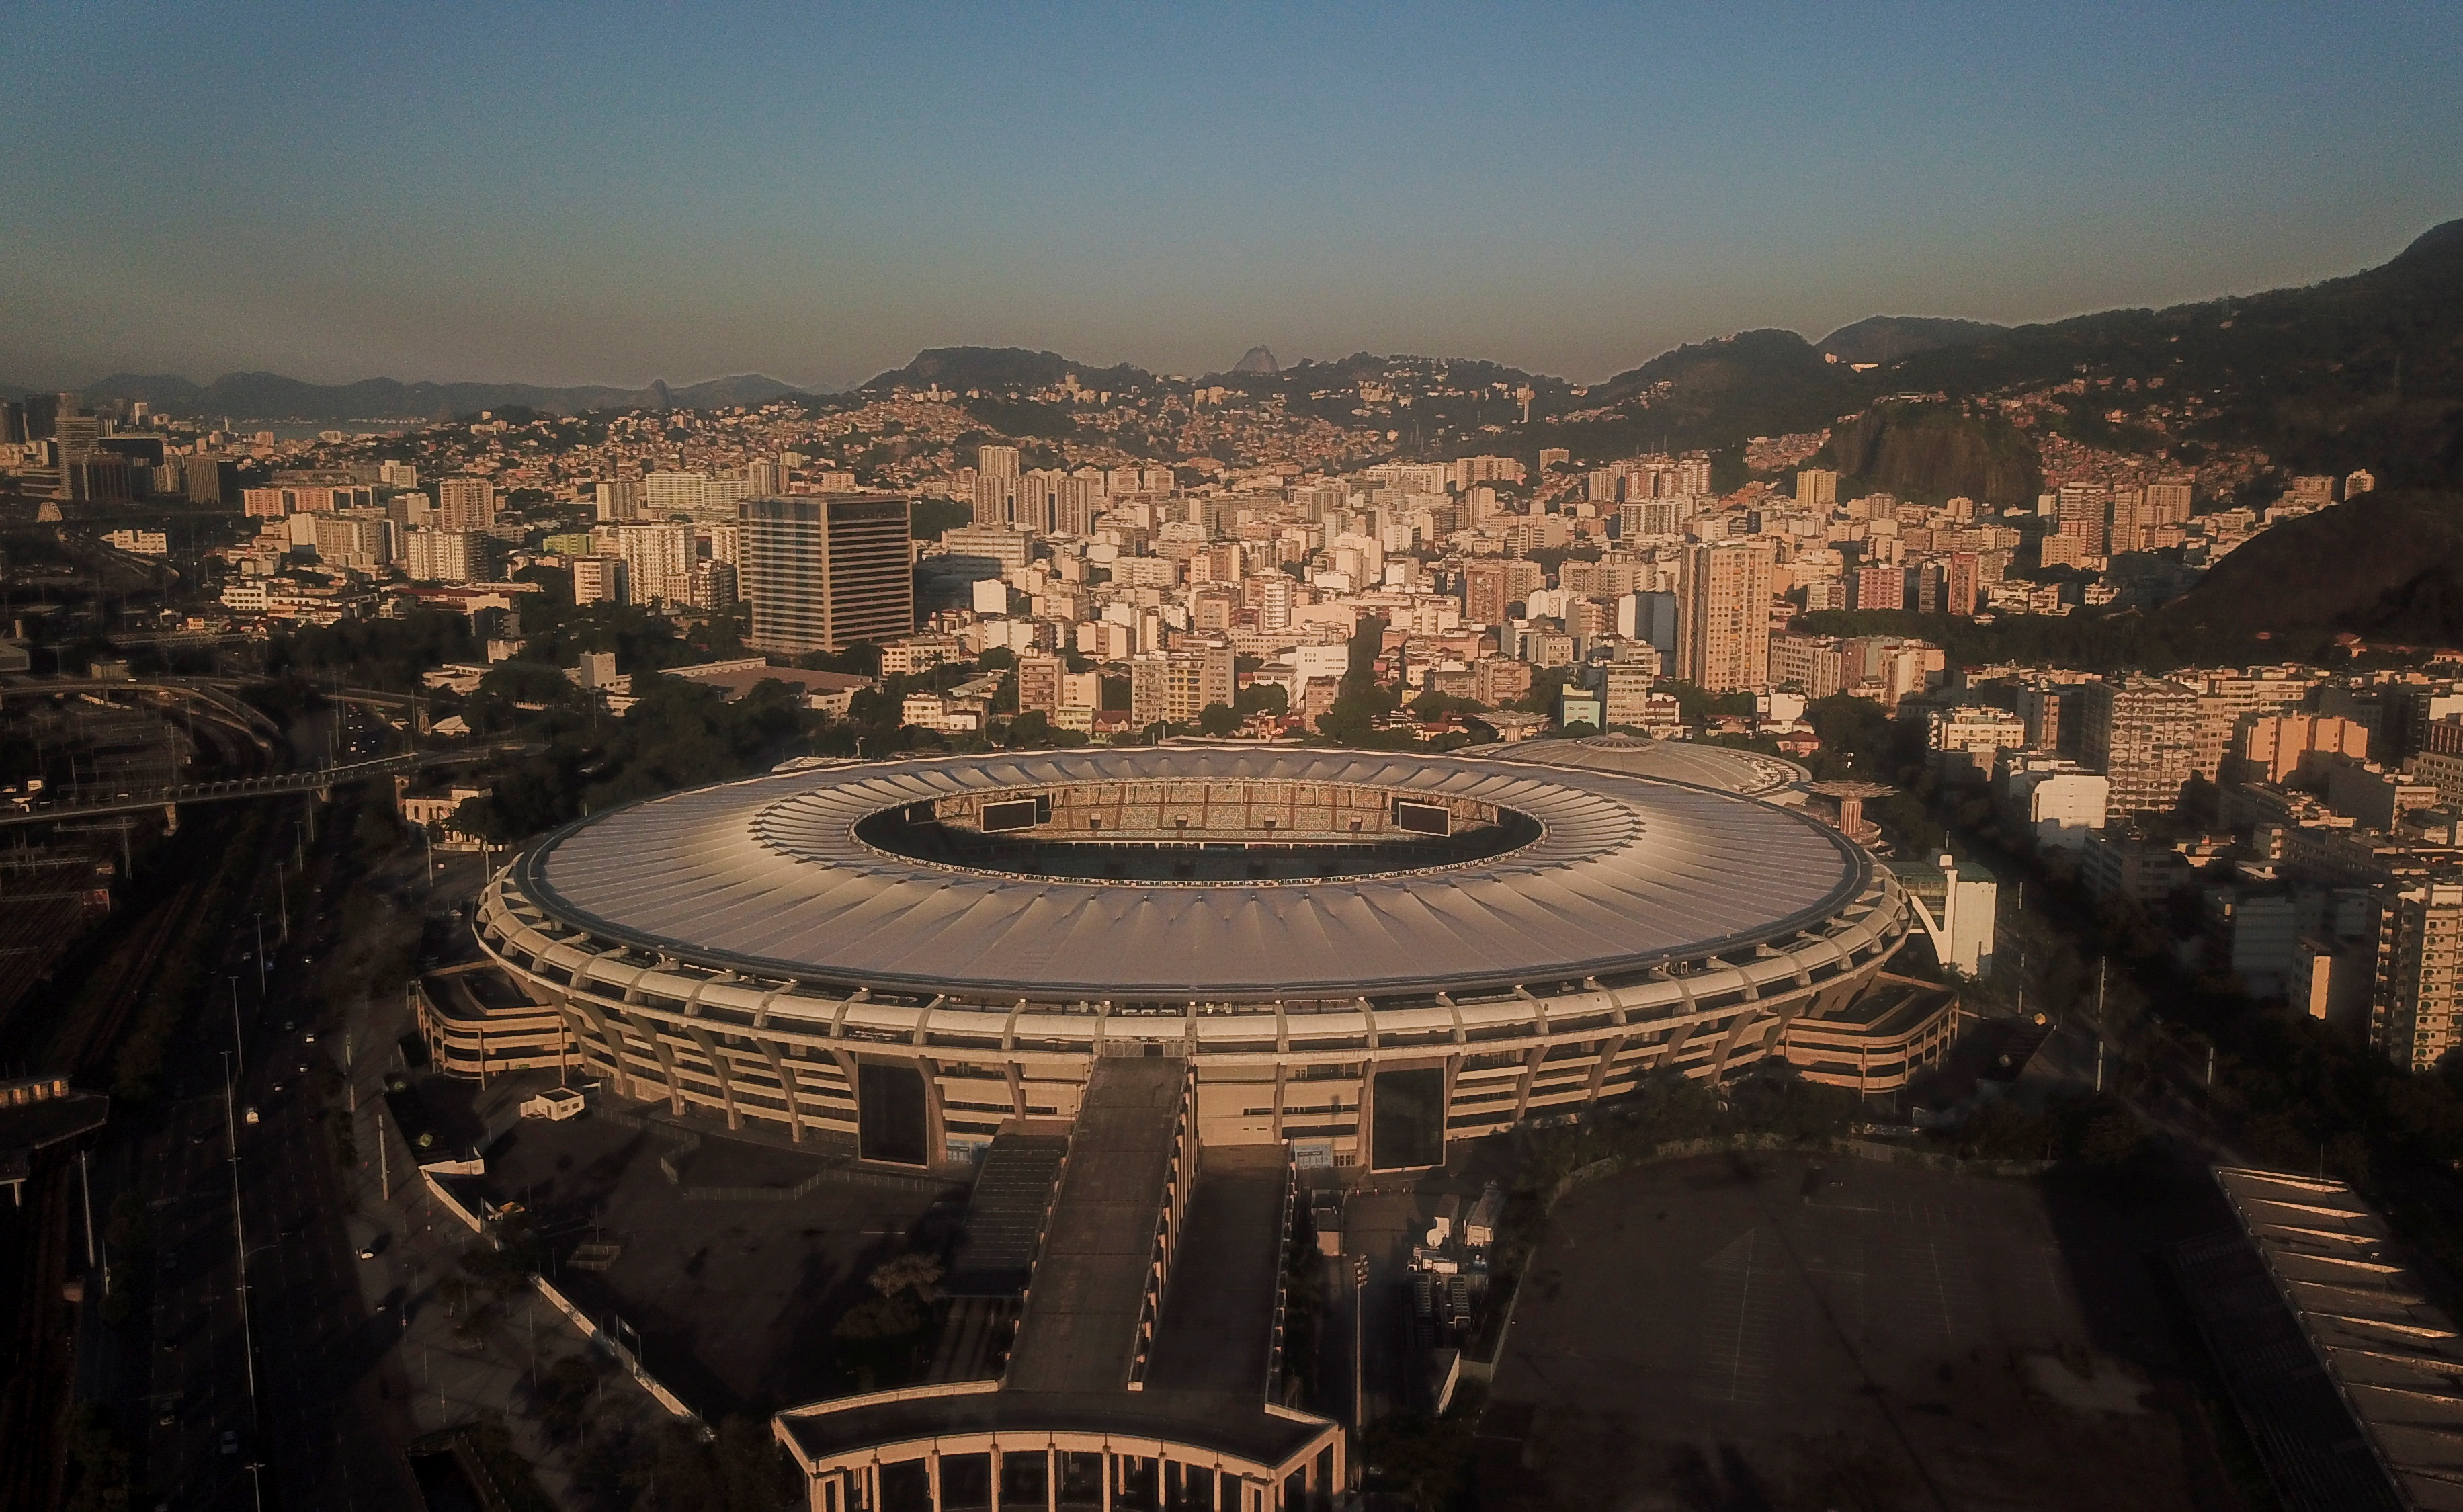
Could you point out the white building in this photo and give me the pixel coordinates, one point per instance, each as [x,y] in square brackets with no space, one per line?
[2059,802]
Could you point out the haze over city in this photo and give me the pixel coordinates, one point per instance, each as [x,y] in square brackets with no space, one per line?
[1103,758]
[557,197]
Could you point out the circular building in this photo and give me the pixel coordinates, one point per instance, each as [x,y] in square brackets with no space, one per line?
[1361,955]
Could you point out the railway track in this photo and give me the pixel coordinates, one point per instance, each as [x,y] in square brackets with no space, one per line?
[42,1345]
[39,1344]
[85,1047]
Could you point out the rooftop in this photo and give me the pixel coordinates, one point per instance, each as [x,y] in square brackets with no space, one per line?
[770,877]
[2390,1353]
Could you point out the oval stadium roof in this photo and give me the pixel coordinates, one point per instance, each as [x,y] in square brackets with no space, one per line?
[1725,767]
[766,876]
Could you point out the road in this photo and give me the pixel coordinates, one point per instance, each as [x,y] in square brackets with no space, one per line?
[294,1383]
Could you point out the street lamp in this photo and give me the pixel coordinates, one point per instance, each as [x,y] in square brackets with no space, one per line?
[1359,1332]
[239,1236]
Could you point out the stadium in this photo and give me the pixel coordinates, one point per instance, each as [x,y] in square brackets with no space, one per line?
[1134,995]
[1363,955]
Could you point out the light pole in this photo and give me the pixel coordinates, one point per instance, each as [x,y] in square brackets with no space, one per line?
[239,1234]
[1359,1334]
[238,1050]
[260,955]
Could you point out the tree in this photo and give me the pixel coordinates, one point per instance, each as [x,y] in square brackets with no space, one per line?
[1423,1460]
[1262,698]
[1218,719]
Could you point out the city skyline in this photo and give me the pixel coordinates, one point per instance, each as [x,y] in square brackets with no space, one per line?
[818,197]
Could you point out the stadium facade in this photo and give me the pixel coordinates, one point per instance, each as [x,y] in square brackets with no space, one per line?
[1363,955]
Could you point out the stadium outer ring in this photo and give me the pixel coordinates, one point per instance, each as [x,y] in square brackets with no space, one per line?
[784,1042]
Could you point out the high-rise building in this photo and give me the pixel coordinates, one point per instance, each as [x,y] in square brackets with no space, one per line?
[1814,666]
[1817,488]
[600,579]
[466,503]
[712,585]
[2084,513]
[441,555]
[823,572]
[657,560]
[1961,582]
[1878,585]
[397,474]
[2142,734]
[209,479]
[2413,1010]
[1649,616]
[1174,686]
[2170,502]
[1038,499]
[693,494]
[1491,585]
[1723,608]
[618,499]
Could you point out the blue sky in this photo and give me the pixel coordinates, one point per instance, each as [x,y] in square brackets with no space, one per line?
[613,193]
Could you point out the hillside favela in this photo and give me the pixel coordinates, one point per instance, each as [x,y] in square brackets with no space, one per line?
[1715,900]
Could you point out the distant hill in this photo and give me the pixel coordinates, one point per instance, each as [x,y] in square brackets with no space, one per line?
[1715,394]
[2359,371]
[1257,359]
[1887,337]
[1929,453]
[2387,565]
[270,396]
[997,367]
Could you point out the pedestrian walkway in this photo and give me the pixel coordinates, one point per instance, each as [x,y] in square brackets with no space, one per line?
[447,1367]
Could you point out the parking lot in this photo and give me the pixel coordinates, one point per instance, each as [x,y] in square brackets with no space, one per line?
[1784,1333]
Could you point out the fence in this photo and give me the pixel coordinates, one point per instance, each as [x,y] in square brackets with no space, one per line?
[608,1342]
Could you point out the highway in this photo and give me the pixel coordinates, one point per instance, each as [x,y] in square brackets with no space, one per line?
[314,781]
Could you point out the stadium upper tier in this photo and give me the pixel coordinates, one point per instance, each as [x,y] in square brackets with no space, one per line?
[1180,875]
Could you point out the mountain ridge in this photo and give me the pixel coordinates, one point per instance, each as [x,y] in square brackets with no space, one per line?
[274,396]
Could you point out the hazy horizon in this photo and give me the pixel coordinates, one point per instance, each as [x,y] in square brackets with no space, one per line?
[567,198]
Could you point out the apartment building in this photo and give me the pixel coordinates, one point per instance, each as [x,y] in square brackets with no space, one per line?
[2412,1012]
[1723,597]
[2141,733]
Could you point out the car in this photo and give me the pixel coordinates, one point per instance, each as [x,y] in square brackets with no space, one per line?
[249,1116]
[279,1084]
[312,1036]
[367,1252]
[289,1024]
[167,1419]
[229,1442]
